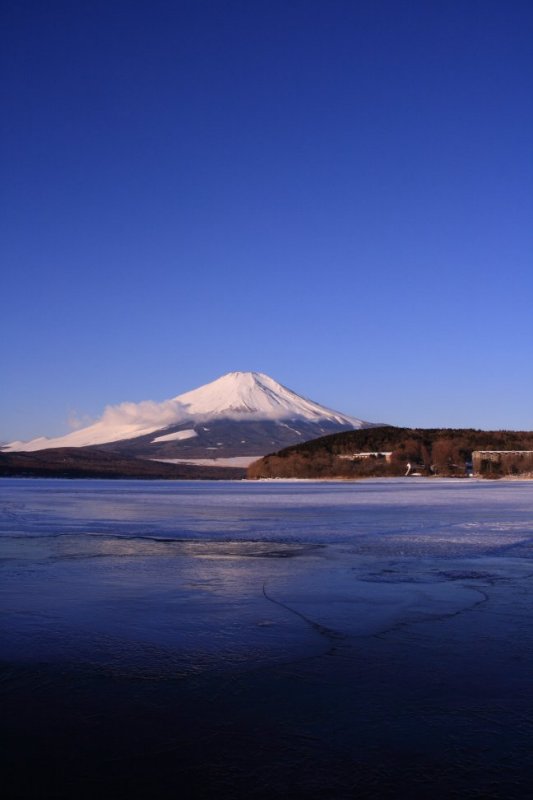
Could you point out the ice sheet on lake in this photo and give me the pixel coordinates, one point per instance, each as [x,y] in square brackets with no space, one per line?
[189,574]
[402,516]
[276,635]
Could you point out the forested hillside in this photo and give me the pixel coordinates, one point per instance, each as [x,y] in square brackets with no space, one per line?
[387,451]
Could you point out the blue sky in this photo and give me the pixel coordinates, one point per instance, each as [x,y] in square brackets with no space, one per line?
[336,193]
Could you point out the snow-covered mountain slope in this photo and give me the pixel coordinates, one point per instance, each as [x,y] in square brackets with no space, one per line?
[238,409]
[254,395]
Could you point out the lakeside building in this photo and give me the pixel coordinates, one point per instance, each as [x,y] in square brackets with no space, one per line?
[502,462]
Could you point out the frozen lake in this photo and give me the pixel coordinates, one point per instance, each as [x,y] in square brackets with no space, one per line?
[276,639]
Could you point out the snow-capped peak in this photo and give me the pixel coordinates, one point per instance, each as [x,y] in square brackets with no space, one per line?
[236,396]
[254,395]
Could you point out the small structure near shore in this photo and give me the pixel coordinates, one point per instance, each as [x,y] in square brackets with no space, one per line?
[495,463]
[417,470]
[363,456]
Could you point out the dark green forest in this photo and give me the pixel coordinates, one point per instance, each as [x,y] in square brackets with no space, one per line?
[430,451]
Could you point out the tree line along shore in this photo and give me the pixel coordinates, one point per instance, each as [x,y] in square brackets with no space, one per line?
[379,451]
[389,451]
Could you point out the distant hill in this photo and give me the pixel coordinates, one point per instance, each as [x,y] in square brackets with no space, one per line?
[83,462]
[387,451]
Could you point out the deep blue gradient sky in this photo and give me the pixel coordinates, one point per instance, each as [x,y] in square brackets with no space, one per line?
[336,193]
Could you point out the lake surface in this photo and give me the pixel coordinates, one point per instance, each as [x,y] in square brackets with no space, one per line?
[267,639]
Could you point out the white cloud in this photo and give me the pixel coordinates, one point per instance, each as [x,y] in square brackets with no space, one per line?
[144,414]
[76,421]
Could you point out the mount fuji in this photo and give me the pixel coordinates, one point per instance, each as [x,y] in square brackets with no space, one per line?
[240,416]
